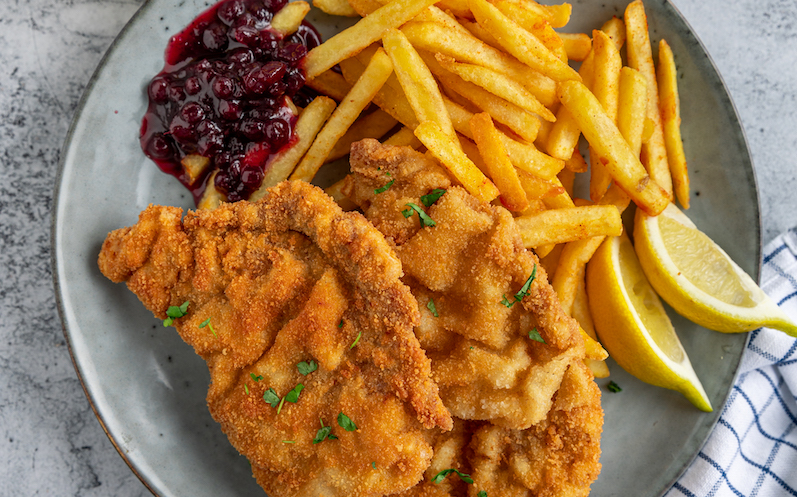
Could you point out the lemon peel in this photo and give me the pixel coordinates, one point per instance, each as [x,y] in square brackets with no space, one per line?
[699,280]
[632,324]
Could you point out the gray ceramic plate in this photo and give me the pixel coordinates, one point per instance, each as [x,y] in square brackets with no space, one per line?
[148,388]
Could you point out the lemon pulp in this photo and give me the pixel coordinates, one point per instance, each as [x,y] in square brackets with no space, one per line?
[695,255]
[645,301]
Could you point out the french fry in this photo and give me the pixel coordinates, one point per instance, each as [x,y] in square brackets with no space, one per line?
[551,260]
[498,84]
[567,225]
[417,82]
[592,349]
[518,120]
[563,138]
[615,28]
[543,250]
[572,262]
[390,99]
[451,156]
[435,14]
[543,134]
[479,32]
[561,201]
[576,254]
[457,7]
[288,19]
[603,135]
[499,167]
[640,57]
[403,138]
[537,188]
[577,45]
[606,88]
[358,98]
[335,191]
[537,25]
[576,162]
[211,198]
[374,125]
[336,8]
[567,177]
[667,78]
[194,165]
[472,151]
[330,83]
[523,45]
[368,30]
[434,38]
[365,7]
[308,124]
[580,310]
[557,15]
[599,368]
[524,156]
[631,108]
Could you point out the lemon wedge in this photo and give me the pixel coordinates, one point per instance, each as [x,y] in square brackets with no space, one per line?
[632,324]
[698,279]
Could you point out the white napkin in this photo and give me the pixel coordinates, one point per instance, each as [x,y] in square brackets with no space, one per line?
[753,449]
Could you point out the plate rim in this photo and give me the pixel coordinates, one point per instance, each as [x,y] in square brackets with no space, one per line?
[739,128]
[54,238]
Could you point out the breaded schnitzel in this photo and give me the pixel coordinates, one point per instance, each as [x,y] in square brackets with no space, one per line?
[503,351]
[298,310]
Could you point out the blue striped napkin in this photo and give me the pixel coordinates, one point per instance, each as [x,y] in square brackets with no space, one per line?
[753,449]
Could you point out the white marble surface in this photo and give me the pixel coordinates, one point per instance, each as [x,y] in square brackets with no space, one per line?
[51,442]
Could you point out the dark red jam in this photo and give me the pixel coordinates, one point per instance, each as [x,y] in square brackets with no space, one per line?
[224,93]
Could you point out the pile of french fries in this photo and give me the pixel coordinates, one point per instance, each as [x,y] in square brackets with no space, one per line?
[486,88]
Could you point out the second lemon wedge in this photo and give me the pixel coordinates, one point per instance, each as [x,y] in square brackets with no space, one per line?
[633,325]
[698,279]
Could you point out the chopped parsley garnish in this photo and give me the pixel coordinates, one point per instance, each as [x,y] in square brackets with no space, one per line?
[340,325]
[323,433]
[207,323]
[442,476]
[271,397]
[422,215]
[384,188]
[524,290]
[346,423]
[482,493]
[175,312]
[614,387]
[306,368]
[535,335]
[432,308]
[289,441]
[293,395]
[279,407]
[256,378]
[246,388]
[431,198]
[356,340]
[373,464]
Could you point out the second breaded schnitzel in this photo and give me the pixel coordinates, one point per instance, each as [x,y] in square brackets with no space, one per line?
[507,358]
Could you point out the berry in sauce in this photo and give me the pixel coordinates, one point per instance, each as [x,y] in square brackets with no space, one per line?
[223,101]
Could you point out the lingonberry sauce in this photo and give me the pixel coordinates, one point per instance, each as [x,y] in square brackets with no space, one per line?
[224,94]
